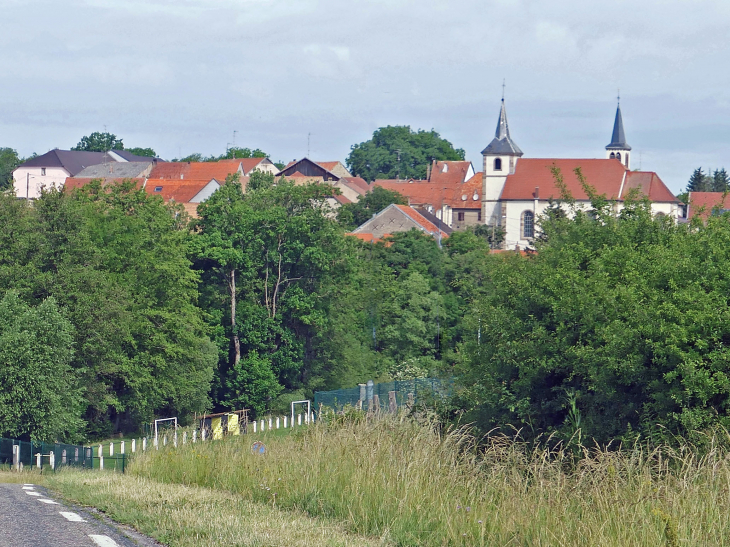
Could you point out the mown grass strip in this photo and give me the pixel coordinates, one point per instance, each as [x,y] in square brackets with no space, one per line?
[189,516]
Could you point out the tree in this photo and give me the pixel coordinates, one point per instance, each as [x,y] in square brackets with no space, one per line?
[699,182]
[146,152]
[720,180]
[9,161]
[40,395]
[397,151]
[236,152]
[352,215]
[99,142]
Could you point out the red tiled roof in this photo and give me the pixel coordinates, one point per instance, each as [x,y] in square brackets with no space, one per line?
[605,176]
[342,200]
[649,184]
[248,164]
[75,183]
[329,165]
[182,191]
[457,171]
[702,203]
[421,220]
[368,238]
[463,194]
[183,170]
[419,193]
[358,184]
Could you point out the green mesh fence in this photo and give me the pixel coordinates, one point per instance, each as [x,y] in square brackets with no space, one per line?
[424,390]
[64,455]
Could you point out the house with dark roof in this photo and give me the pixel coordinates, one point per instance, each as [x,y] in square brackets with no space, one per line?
[51,169]
[310,170]
[401,218]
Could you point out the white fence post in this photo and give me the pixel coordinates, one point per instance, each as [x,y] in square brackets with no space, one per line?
[134,445]
[202,435]
[144,444]
[121,448]
[38,462]
[76,454]
[195,434]
[101,462]
[101,451]
[285,420]
[299,419]
[52,460]
[111,449]
[185,437]
[63,457]
[262,426]
[270,422]
[254,427]
[277,422]
[16,457]
[164,440]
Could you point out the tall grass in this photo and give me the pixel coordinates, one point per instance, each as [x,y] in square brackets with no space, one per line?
[405,480]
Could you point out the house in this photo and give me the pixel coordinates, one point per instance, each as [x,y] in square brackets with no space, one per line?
[400,218]
[249,165]
[118,170]
[706,204]
[517,190]
[189,192]
[307,168]
[448,192]
[51,169]
[336,167]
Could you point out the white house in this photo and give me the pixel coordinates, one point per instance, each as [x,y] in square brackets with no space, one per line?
[52,168]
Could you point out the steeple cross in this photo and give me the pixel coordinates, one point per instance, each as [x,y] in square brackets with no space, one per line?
[503,85]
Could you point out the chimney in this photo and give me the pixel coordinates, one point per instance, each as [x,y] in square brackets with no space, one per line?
[537,192]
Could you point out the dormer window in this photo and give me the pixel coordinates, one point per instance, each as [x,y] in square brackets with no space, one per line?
[158,188]
[445,168]
[498,164]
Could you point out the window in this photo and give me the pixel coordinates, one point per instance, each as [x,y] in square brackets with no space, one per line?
[618,156]
[460,217]
[528,225]
[43,171]
[158,188]
[613,156]
[479,215]
[497,164]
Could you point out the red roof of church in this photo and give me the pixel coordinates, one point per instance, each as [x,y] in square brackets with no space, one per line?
[608,177]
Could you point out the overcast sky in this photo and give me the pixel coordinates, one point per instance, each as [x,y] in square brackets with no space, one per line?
[181,75]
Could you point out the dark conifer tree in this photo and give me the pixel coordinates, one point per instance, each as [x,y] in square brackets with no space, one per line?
[720,180]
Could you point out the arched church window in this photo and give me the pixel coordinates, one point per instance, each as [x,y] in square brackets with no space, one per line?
[613,156]
[618,156]
[497,164]
[528,225]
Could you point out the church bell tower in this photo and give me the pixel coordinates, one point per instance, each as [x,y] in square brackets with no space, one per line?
[619,149]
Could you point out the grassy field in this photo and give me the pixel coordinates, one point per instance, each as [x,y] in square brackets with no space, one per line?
[396,479]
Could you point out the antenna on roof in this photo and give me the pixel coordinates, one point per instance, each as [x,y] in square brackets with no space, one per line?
[504,80]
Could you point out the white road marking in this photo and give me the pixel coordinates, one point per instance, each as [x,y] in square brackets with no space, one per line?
[104,541]
[29,485]
[50,502]
[29,488]
[73,517]
[32,493]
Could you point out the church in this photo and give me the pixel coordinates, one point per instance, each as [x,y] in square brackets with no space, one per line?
[517,190]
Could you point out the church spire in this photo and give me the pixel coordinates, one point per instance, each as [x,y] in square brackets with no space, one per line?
[618,138]
[619,149]
[502,144]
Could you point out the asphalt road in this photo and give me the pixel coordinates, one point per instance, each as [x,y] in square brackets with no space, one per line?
[29,517]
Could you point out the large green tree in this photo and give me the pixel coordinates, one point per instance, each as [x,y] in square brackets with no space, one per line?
[99,142]
[617,326]
[398,151]
[40,393]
